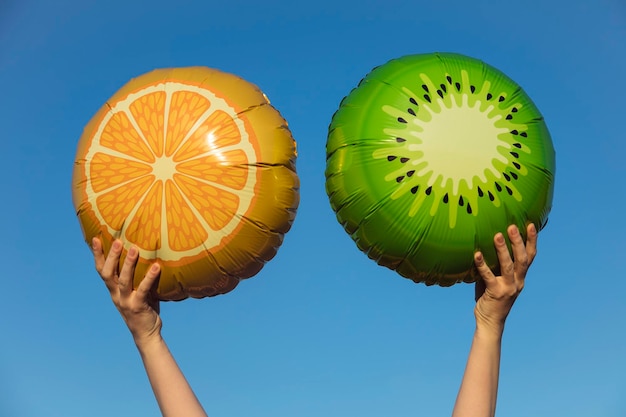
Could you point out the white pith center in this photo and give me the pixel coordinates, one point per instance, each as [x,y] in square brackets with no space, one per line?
[164,168]
[460,143]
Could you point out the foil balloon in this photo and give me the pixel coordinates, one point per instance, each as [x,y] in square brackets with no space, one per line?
[195,168]
[429,157]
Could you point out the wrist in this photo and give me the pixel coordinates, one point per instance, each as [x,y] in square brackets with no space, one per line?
[489,322]
[489,329]
[148,342]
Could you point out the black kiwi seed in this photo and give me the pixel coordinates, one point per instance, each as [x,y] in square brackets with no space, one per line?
[445,198]
[427,98]
[491,197]
[411,111]
[401,120]
[400,140]
[472,89]
[400,178]
[460,200]
[514,132]
[514,175]
[469,209]
[516,165]
[480,192]
[414,189]
[410,173]
[501,99]
[458,86]
[524,134]
[449,79]
[498,187]
[391,158]
[489,96]
[509,117]
[425,87]
[508,178]
[515,154]
[404,160]
[443,87]
[440,93]
[412,100]
[429,190]
[508,190]
[518,145]
[514,110]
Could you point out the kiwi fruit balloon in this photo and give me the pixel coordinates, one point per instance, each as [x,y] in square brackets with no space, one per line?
[429,157]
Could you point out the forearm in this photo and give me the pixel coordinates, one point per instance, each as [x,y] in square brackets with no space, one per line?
[172,391]
[479,387]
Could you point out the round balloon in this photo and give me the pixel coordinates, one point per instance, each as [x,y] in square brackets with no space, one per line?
[195,168]
[429,157]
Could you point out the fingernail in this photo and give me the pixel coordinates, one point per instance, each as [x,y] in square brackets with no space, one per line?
[532,228]
[93,243]
[499,238]
[514,230]
[479,257]
[154,268]
[117,245]
[132,251]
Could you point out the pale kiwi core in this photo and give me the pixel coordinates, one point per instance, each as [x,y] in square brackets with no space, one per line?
[448,155]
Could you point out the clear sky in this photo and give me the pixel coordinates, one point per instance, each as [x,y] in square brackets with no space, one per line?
[322,330]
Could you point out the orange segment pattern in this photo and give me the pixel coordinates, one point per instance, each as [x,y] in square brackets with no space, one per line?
[229,169]
[145,226]
[120,135]
[186,107]
[108,171]
[116,205]
[184,230]
[217,207]
[217,132]
[148,112]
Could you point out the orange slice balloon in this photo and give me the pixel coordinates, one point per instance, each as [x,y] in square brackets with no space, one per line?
[195,168]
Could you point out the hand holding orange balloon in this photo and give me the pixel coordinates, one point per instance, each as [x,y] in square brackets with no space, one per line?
[195,168]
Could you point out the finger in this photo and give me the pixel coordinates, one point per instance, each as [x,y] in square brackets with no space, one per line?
[507,269]
[98,254]
[149,282]
[111,264]
[483,269]
[519,251]
[127,274]
[531,243]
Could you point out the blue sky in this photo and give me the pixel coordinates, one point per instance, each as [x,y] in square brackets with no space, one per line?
[322,330]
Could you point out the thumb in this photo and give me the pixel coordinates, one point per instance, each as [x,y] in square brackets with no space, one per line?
[485,275]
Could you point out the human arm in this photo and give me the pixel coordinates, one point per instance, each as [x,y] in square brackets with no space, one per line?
[140,311]
[495,297]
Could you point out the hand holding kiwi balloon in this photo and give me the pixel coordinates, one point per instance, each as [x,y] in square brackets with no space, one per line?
[432,155]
